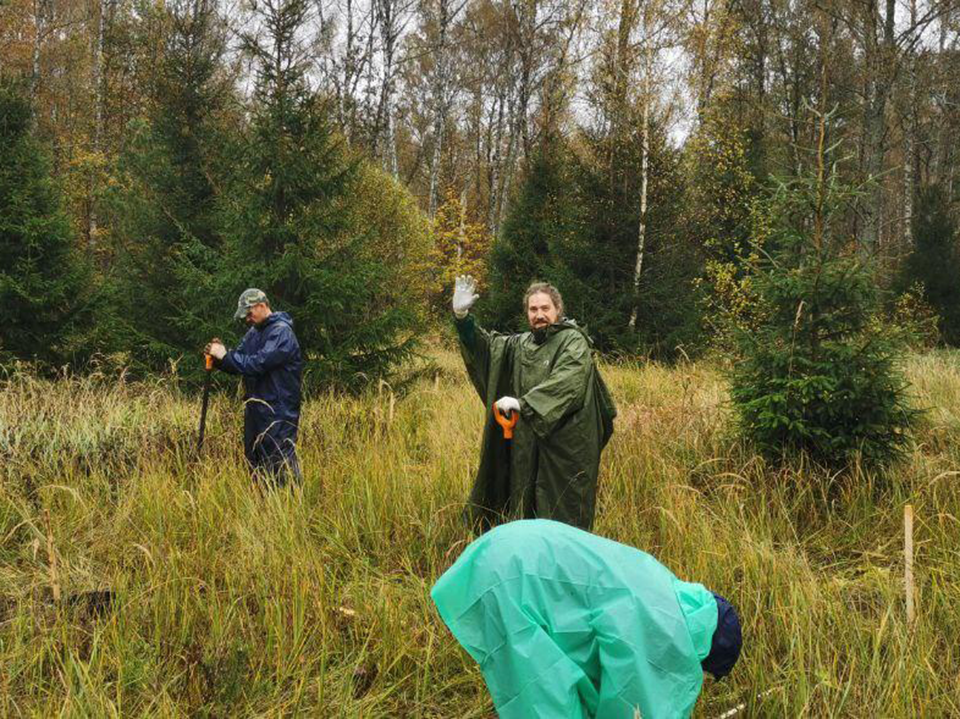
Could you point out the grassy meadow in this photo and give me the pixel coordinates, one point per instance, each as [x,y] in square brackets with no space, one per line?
[316,602]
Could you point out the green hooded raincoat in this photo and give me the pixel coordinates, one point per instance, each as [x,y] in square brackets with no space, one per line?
[568,625]
[566,419]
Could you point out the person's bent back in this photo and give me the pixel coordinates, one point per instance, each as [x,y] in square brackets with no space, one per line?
[567,624]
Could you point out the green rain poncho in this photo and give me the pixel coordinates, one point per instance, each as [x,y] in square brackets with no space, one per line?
[568,625]
[566,418]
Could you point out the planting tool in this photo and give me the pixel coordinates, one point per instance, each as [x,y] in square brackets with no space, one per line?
[208,367]
[507,421]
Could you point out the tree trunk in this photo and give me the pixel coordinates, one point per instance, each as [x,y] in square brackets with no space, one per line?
[909,141]
[494,144]
[525,14]
[438,123]
[878,55]
[390,140]
[644,175]
[508,171]
[462,237]
[38,31]
[348,67]
[98,83]
[441,102]
[389,34]
[623,66]
[99,89]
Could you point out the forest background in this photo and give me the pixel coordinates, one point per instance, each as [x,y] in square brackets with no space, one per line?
[351,157]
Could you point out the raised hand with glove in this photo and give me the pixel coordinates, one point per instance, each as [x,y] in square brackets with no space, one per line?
[464,295]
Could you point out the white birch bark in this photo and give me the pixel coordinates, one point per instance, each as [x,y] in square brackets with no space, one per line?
[98,75]
[644,172]
[462,238]
[909,141]
[391,19]
[38,33]
[494,162]
[99,89]
[446,15]
[525,15]
[385,15]
[349,69]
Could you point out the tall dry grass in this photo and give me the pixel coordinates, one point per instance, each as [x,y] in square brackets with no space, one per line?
[315,603]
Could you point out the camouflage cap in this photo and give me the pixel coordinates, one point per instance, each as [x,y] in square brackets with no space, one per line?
[248,299]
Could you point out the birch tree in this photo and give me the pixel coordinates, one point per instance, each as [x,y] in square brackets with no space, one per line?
[442,14]
[346,60]
[885,47]
[391,17]
[644,168]
[910,117]
[540,35]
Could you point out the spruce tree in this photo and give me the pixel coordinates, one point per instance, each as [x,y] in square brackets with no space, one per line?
[819,375]
[289,228]
[165,220]
[42,279]
[610,175]
[544,215]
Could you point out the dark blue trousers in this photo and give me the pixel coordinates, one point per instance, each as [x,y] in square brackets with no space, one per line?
[270,446]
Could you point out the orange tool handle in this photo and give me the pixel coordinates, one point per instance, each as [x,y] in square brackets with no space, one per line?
[508,422]
[208,362]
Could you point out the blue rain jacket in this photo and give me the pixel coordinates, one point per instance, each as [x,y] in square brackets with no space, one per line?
[568,625]
[268,357]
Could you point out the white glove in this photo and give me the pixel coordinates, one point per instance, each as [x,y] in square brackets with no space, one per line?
[464,295]
[508,404]
[216,349]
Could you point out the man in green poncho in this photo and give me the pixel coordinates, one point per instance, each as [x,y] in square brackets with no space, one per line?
[568,625]
[546,376]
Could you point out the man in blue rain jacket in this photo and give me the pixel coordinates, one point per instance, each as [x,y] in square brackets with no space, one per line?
[268,358]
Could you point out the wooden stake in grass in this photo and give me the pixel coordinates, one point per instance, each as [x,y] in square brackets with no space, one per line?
[908,559]
[52,558]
